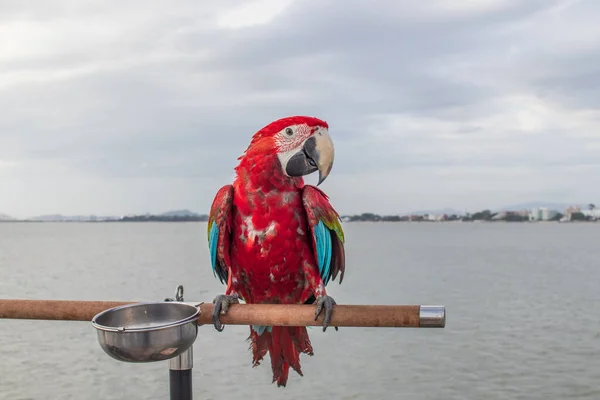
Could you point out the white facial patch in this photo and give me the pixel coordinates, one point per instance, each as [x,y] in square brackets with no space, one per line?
[292,138]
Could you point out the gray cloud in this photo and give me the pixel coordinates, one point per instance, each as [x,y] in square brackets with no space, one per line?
[429,105]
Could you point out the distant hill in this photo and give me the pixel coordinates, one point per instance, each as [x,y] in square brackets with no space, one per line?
[169,216]
[53,217]
[70,218]
[4,217]
[180,213]
[176,215]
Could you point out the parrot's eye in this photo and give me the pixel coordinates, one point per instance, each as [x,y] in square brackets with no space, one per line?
[289,131]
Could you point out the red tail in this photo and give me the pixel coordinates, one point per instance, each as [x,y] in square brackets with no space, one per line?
[284,344]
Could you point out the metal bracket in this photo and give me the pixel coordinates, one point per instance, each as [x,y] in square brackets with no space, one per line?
[178,294]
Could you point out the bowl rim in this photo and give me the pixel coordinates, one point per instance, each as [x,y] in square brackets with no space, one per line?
[121,329]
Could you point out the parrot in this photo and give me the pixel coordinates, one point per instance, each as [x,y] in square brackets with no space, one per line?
[274,239]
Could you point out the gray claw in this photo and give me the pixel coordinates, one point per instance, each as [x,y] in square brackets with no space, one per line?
[222,303]
[326,302]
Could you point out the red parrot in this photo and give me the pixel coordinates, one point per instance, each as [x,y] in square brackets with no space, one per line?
[274,239]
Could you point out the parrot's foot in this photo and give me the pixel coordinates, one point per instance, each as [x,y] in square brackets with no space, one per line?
[222,303]
[325,302]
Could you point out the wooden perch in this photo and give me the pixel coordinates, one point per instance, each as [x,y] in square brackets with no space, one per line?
[397,316]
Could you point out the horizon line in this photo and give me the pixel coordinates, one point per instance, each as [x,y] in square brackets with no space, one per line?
[186,211]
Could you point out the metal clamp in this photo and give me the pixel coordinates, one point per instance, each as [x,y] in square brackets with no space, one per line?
[178,294]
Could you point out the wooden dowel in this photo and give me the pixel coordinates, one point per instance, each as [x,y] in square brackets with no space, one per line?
[304,315]
[63,310]
[244,314]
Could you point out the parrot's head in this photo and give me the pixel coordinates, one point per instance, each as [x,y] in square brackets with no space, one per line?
[302,145]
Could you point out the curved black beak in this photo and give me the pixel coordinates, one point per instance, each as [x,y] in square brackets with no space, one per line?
[316,154]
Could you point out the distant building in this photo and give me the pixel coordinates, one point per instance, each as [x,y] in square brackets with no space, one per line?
[501,215]
[435,218]
[570,211]
[542,214]
[594,214]
[548,214]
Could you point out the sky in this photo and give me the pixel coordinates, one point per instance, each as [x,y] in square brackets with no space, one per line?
[117,107]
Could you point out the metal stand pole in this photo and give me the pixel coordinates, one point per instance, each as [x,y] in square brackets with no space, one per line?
[180,367]
[180,375]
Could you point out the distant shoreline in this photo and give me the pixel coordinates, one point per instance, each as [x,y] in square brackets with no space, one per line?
[525,216]
[346,222]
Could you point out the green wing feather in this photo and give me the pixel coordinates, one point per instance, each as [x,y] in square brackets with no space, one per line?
[219,232]
[327,233]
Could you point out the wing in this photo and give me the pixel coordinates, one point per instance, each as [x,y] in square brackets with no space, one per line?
[219,232]
[327,234]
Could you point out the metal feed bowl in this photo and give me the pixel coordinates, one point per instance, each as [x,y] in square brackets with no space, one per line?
[146,332]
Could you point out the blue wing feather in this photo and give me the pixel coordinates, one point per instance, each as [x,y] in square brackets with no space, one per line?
[212,244]
[324,250]
[218,232]
[327,234]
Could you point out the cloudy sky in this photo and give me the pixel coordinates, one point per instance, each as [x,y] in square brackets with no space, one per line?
[115,107]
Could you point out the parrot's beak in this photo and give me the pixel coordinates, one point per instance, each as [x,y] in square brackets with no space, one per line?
[316,154]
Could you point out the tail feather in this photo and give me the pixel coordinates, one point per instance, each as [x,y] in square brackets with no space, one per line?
[277,361]
[290,354]
[301,341]
[284,344]
[259,344]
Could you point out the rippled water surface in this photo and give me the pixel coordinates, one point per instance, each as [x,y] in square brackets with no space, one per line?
[523,304]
